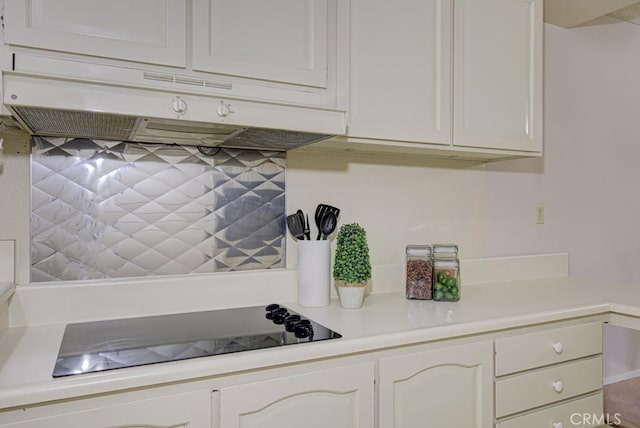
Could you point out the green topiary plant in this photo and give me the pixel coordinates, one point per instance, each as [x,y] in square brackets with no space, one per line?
[352,266]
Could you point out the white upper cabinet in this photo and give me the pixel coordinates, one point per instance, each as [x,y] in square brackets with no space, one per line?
[498,74]
[292,52]
[463,75]
[277,40]
[149,31]
[401,70]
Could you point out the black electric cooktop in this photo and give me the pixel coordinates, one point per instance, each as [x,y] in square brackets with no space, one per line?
[105,345]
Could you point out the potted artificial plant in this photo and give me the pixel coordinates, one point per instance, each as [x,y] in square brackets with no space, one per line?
[352,267]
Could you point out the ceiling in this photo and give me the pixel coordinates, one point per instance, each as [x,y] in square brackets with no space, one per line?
[574,13]
[629,14]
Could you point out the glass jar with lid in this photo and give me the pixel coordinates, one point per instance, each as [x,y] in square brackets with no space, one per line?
[446,273]
[419,272]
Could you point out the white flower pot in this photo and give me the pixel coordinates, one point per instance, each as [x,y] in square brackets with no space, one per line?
[351,297]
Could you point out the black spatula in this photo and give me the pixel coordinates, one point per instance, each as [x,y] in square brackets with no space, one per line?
[295,223]
[321,210]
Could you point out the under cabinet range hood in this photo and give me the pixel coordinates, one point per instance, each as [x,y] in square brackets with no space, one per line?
[116,108]
[106,126]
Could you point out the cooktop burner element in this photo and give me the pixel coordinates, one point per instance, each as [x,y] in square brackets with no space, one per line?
[105,345]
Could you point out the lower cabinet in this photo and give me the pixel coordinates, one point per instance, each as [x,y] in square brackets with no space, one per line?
[448,387]
[184,410]
[340,397]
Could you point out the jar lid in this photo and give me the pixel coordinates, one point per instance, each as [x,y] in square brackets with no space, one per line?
[445,249]
[418,250]
[446,263]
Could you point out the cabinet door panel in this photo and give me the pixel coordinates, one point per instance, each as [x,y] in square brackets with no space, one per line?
[498,74]
[279,40]
[446,387]
[401,70]
[152,31]
[337,398]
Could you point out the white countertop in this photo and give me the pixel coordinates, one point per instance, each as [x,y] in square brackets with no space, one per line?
[28,354]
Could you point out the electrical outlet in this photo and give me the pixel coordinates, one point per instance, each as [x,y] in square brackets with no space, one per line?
[539,214]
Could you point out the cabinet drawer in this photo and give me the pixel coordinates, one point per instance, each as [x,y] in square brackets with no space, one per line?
[584,412]
[528,351]
[547,386]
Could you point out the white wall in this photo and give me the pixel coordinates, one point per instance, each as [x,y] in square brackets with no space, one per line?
[588,179]
[398,201]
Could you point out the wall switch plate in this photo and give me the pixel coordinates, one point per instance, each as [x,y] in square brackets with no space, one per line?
[539,214]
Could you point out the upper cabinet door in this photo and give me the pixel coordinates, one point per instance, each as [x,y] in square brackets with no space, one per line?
[276,40]
[148,31]
[498,74]
[401,70]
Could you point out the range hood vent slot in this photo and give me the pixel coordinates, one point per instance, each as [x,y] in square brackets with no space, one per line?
[49,122]
[185,80]
[158,77]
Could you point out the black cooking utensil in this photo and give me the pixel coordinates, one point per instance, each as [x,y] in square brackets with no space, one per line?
[305,224]
[307,230]
[321,210]
[296,227]
[328,224]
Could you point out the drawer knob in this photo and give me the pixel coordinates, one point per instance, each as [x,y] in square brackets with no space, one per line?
[558,347]
[558,425]
[558,386]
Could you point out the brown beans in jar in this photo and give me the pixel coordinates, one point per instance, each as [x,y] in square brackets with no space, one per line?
[419,279]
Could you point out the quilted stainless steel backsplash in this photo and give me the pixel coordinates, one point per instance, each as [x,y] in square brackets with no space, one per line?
[104,209]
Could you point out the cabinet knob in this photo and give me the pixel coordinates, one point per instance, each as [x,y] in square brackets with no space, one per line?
[557,425]
[224,110]
[178,105]
[558,386]
[558,347]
